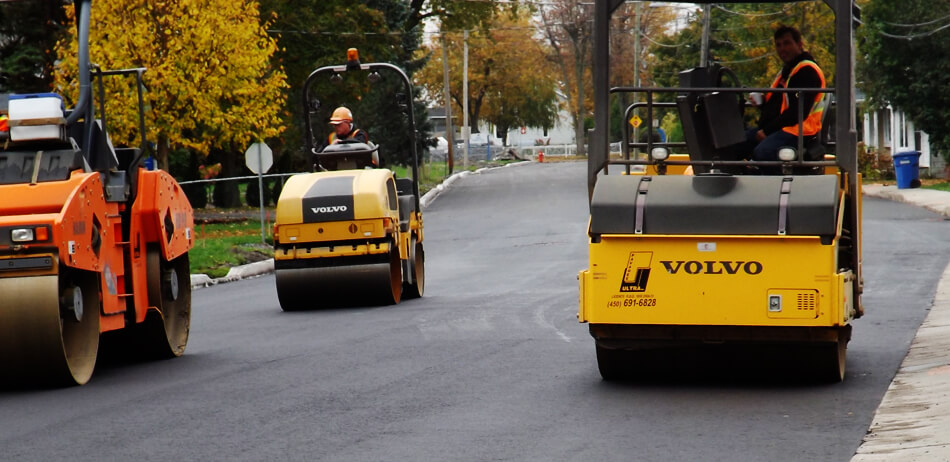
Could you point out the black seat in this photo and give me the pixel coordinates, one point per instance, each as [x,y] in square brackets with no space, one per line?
[404,186]
[713,123]
[407,205]
[347,155]
[821,144]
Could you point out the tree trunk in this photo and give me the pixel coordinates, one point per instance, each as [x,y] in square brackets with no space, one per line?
[161,154]
[579,132]
[226,193]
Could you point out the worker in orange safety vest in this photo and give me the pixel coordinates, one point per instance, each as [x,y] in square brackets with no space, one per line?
[778,125]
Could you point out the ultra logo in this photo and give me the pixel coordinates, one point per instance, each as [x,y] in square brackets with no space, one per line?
[637,273]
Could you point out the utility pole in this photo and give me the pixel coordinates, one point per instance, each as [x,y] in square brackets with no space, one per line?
[704,47]
[636,57]
[466,130]
[449,130]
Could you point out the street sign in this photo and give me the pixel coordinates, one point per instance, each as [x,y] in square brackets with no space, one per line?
[259,158]
[635,121]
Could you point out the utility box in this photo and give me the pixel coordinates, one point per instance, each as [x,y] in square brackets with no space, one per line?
[36,117]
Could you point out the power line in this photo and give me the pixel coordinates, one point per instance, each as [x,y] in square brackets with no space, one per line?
[766,55]
[918,24]
[909,36]
[664,44]
[751,15]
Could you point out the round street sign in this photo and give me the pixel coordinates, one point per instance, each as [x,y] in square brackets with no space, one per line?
[259,158]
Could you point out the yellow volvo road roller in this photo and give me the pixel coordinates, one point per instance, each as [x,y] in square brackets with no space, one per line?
[90,242]
[687,251]
[349,234]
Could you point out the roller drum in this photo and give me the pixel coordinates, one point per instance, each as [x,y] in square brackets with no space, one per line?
[40,343]
[339,286]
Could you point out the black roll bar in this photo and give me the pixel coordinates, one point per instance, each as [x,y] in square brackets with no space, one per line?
[333,70]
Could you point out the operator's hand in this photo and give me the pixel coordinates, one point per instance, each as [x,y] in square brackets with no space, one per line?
[759,135]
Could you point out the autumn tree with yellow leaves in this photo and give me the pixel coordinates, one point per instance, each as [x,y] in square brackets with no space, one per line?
[510,83]
[209,78]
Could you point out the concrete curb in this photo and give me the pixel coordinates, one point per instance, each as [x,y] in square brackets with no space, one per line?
[930,199]
[430,196]
[267,266]
[234,274]
[912,422]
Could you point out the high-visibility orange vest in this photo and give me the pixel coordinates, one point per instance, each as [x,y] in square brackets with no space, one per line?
[332,136]
[812,123]
[3,124]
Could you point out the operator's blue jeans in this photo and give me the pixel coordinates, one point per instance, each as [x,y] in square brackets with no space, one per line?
[768,148]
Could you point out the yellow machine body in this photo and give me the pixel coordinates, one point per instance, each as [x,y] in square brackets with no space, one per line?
[714,281]
[679,260]
[316,210]
[346,237]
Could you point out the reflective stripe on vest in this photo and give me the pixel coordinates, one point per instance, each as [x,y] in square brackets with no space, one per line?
[812,123]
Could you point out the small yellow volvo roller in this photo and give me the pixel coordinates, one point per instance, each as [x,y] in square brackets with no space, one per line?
[741,252]
[351,234]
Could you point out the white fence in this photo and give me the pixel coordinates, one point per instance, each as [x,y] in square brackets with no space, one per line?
[477,153]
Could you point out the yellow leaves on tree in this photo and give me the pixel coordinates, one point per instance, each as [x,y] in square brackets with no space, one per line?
[209,78]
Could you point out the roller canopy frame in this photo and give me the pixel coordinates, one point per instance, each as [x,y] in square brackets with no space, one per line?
[845,12]
[353,66]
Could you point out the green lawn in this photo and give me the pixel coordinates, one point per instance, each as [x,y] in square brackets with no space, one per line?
[942,186]
[219,246]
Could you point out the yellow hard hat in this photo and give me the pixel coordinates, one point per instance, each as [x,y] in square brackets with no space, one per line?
[341,114]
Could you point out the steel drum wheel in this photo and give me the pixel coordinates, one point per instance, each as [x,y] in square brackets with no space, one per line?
[417,260]
[395,278]
[833,358]
[334,285]
[609,363]
[169,290]
[49,328]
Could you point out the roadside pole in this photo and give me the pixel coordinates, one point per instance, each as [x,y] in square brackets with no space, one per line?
[259,159]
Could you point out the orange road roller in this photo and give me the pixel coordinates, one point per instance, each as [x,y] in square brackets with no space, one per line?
[90,241]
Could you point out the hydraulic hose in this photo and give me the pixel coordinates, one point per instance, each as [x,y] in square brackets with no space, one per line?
[83,8]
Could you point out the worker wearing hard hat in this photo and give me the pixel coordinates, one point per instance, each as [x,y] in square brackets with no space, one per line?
[343,127]
[344,131]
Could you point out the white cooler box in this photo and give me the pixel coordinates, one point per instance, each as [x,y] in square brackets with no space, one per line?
[36,117]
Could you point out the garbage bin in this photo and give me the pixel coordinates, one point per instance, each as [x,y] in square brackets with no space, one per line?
[907,170]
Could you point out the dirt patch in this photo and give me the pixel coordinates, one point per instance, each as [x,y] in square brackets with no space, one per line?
[253,253]
[209,215]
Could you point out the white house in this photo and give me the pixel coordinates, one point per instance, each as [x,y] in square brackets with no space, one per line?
[891,129]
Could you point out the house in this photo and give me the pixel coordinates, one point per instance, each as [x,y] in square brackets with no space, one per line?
[891,127]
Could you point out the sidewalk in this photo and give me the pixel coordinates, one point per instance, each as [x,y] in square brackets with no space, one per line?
[912,423]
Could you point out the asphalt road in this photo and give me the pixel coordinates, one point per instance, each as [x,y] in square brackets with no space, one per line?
[490,365]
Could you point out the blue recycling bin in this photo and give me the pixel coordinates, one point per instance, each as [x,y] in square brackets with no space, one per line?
[907,169]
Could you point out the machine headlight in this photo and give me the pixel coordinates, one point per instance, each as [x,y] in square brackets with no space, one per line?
[786,154]
[39,233]
[22,235]
[659,153]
